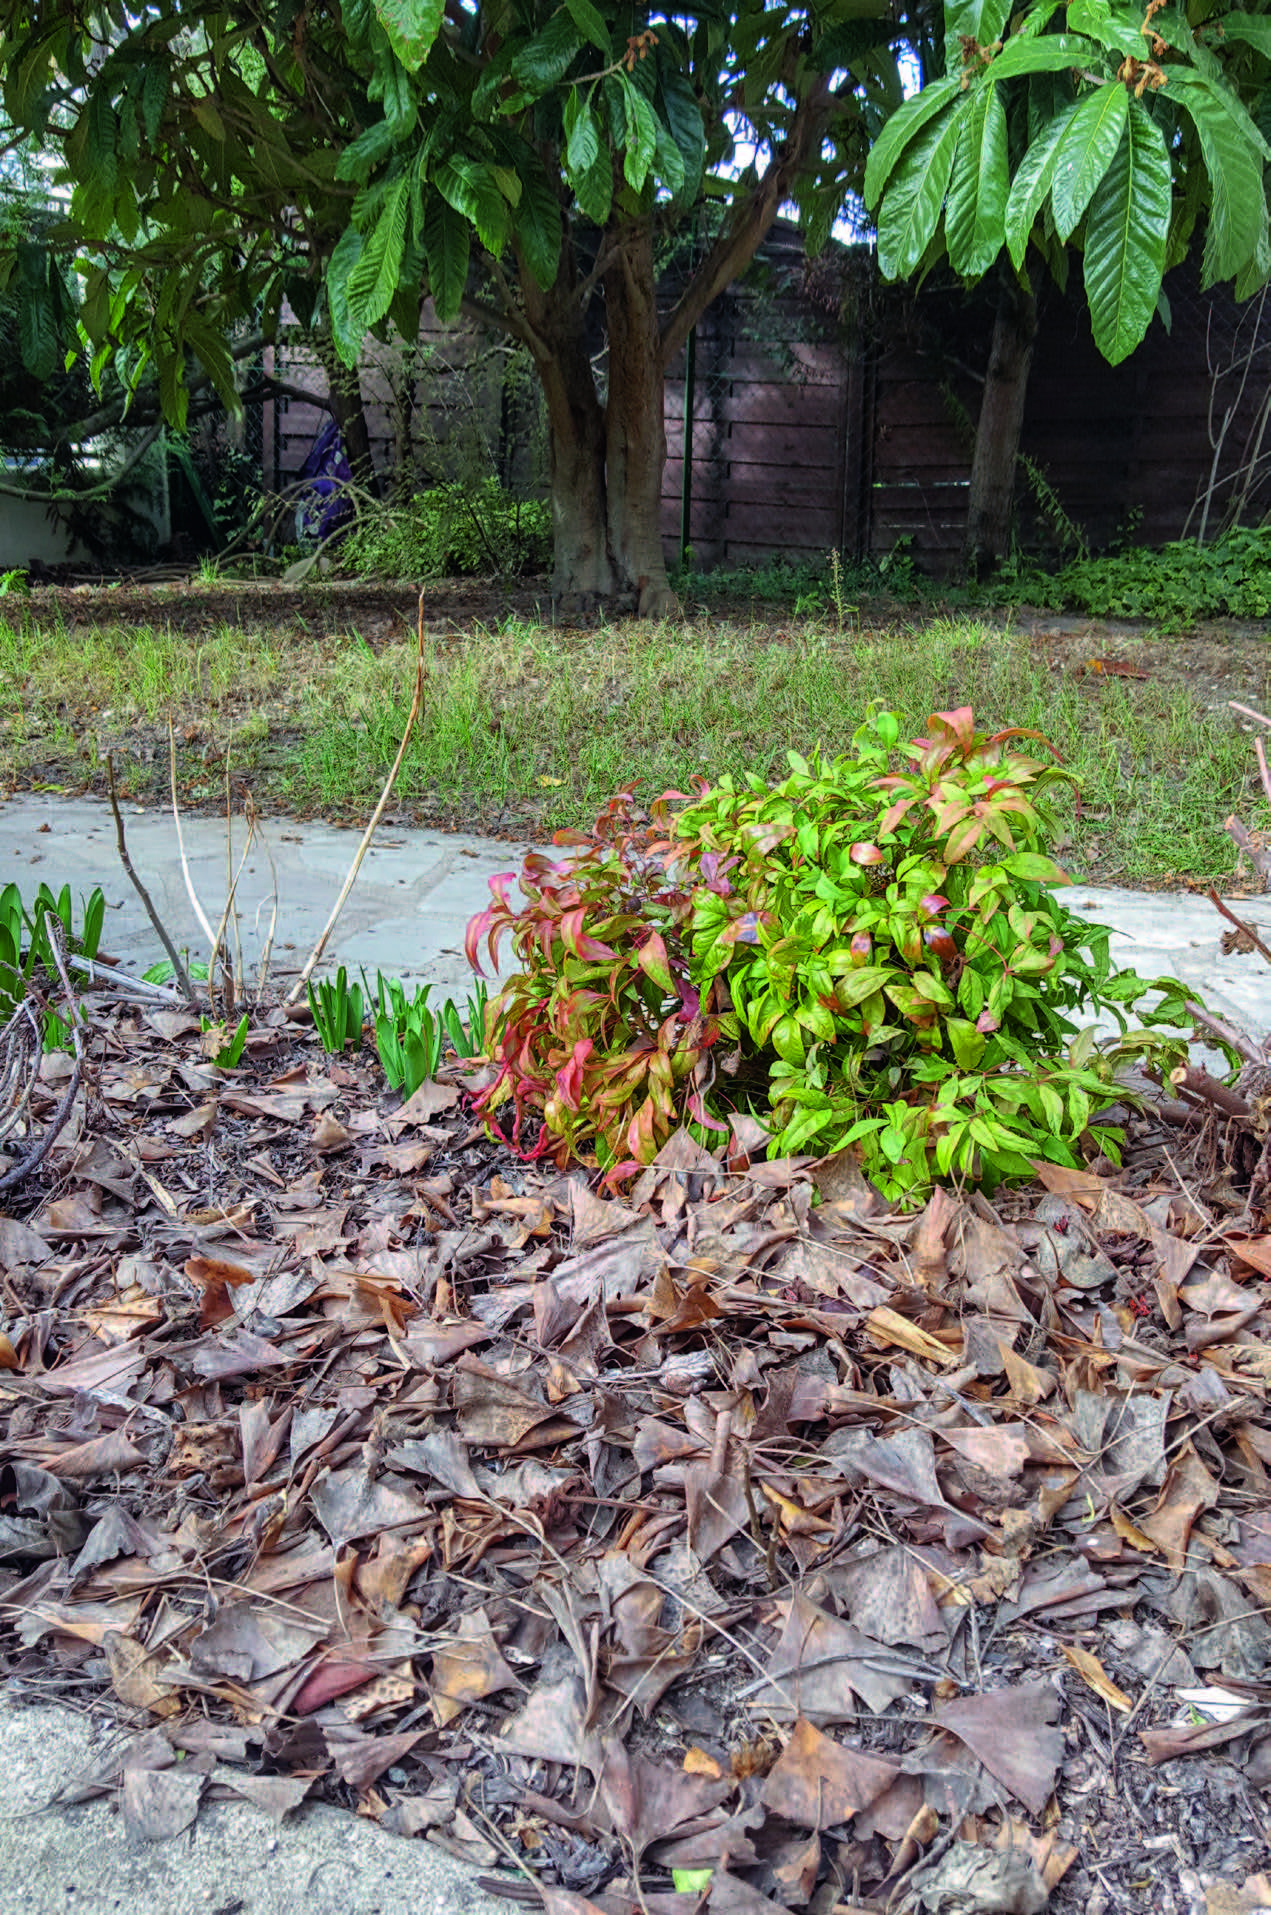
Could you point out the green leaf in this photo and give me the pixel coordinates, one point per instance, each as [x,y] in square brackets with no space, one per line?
[447,243]
[978,20]
[411,26]
[1116,28]
[374,278]
[1092,138]
[910,211]
[1125,237]
[642,136]
[1032,182]
[346,331]
[1253,29]
[473,190]
[538,225]
[978,188]
[1227,103]
[582,134]
[1056,53]
[903,126]
[361,156]
[683,118]
[590,23]
[545,59]
[594,189]
[1237,203]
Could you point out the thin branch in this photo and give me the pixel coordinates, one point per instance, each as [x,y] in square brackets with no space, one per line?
[376,815]
[1197,1080]
[738,244]
[1226,1033]
[179,971]
[1263,950]
[1260,855]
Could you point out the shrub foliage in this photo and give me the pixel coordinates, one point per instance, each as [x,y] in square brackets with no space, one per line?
[864,954]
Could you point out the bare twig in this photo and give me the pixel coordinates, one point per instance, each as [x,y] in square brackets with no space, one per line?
[1197,1080]
[1262,949]
[179,970]
[213,937]
[17,1173]
[415,703]
[1259,855]
[1226,1033]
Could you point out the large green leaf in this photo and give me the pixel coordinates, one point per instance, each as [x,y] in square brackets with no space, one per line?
[1125,237]
[977,190]
[911,207]
[1120,29]
[980,20]
[642,137]
[1253,28]
[346,331]
[683,117]
[411,26]
[1055,54]
[374,278]
[1237,204]
[1227,102]
[545,59]
[900,128]
[1092,138]
[1033,178]
[582,134]
[472,188]
[590,23]
[447,243]
[538,224]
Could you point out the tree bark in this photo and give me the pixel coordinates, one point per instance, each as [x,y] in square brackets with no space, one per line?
[344,387]
[992,498]
[635,422]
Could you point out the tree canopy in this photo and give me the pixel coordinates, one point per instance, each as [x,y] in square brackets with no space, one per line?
[1114,130]
[523,163]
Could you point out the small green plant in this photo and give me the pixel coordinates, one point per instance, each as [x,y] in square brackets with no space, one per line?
[14,583]
[337,1008]
[164,971]
[467,1034]
[865,956]
[26,955]
[230,1050]
[409,1036]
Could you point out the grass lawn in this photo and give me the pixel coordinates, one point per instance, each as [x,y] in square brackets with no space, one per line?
[527,727]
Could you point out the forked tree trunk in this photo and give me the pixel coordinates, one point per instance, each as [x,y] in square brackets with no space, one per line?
[992,498]
[607,456]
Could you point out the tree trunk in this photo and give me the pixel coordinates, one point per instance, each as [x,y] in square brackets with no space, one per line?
[997,435]
[635,437]
[607,456]
[344,387]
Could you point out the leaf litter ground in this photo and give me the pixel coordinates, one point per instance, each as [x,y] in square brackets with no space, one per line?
[738,1524]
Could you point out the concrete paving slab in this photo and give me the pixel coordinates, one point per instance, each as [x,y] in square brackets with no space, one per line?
[234,1860]
[406,915]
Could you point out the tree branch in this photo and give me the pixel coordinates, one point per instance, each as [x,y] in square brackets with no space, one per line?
[738,244]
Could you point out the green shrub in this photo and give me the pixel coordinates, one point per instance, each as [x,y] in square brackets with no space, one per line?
[1229,578]
[865,956]
[451,530]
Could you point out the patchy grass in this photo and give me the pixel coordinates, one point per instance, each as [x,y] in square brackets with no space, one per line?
[527,727]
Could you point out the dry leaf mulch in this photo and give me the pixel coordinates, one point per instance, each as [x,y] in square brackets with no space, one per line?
[738,1545]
